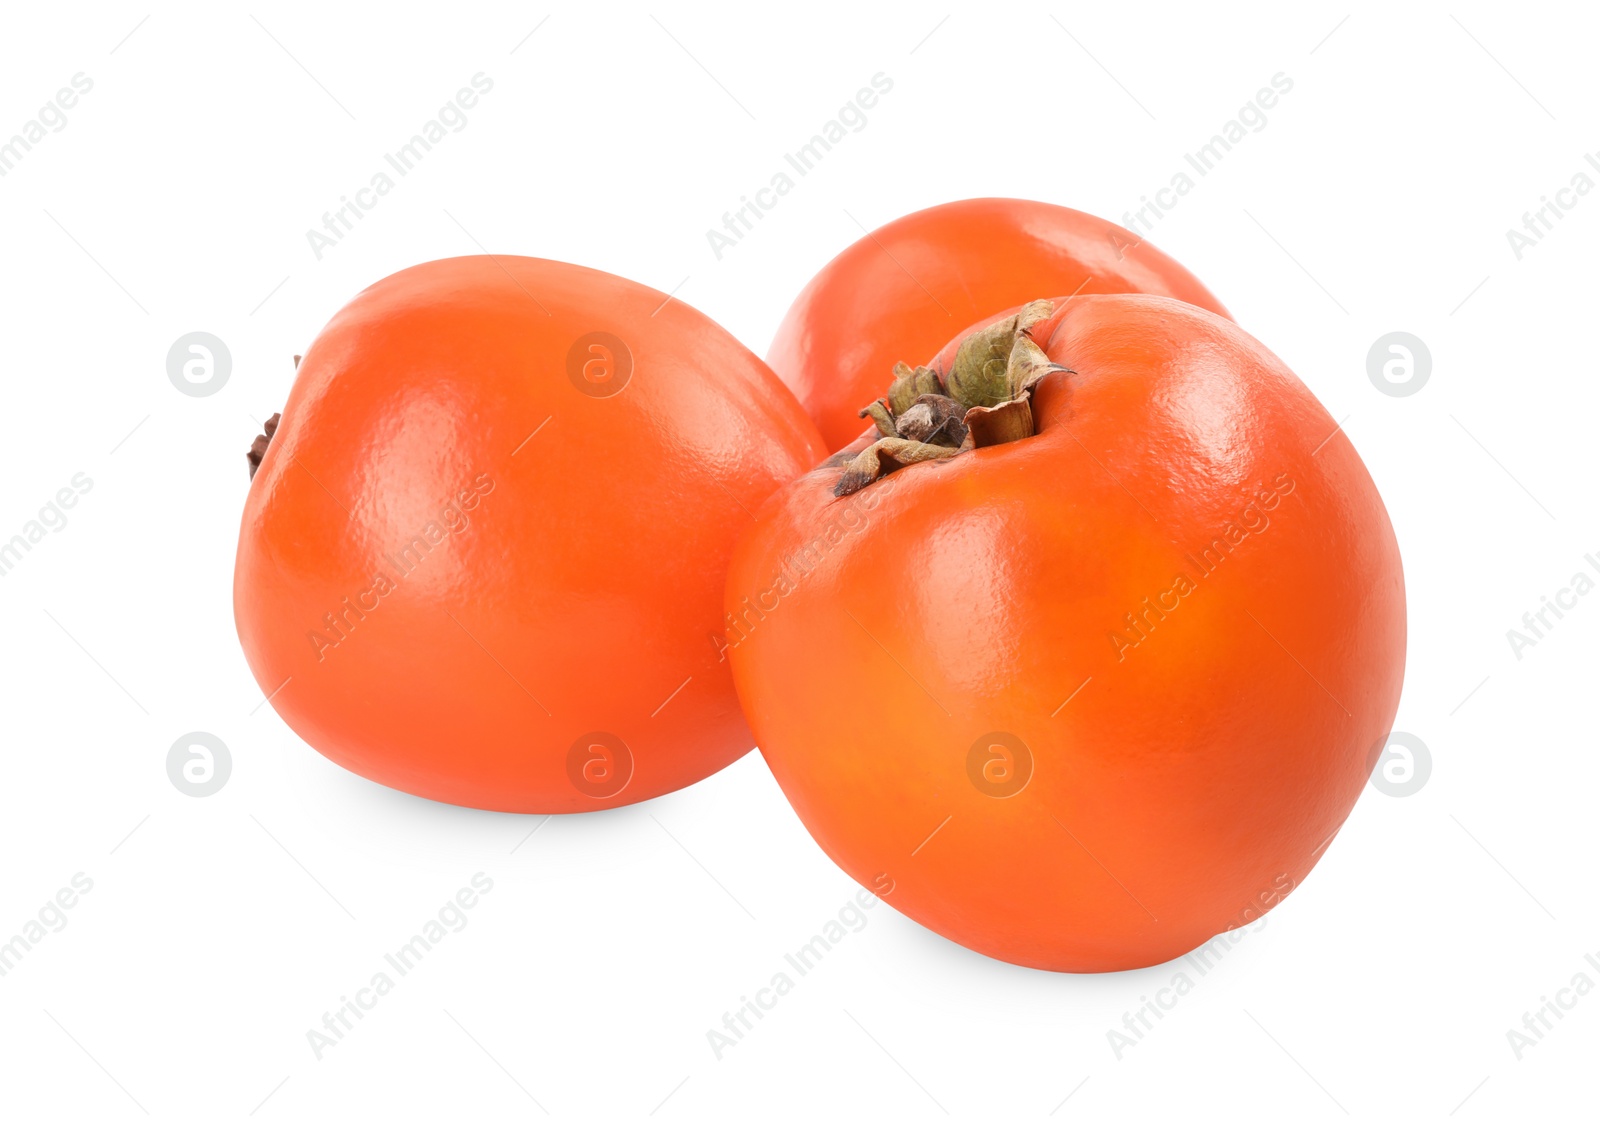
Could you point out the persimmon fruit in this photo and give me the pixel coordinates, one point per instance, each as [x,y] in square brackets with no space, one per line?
[484,546]
[902,291]
[1085,648]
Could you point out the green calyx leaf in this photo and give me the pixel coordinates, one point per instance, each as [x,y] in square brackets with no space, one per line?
[984,400]
[979,376]
[909,384]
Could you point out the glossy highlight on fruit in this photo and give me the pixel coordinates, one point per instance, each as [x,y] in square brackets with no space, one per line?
[904,290]
[1099,690]
[482,559]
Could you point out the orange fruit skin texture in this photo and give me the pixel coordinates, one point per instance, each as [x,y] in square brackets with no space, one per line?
[573,596]
[901,292]
[1181,785]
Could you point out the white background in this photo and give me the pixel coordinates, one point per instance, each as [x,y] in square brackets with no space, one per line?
[219,930]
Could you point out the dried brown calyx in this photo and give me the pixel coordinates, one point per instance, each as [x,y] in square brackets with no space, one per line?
[258,447]
[983,400]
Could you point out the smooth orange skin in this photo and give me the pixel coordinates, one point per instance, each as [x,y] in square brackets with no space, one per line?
[586,584]
[902,292]
[1181,786]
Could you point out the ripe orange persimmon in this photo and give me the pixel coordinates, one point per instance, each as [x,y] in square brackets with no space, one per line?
[901,292]
[1086,656]
[483,557]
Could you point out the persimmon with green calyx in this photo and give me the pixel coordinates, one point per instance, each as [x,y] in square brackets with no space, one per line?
[1101,683]
[904,290]
[483,550]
